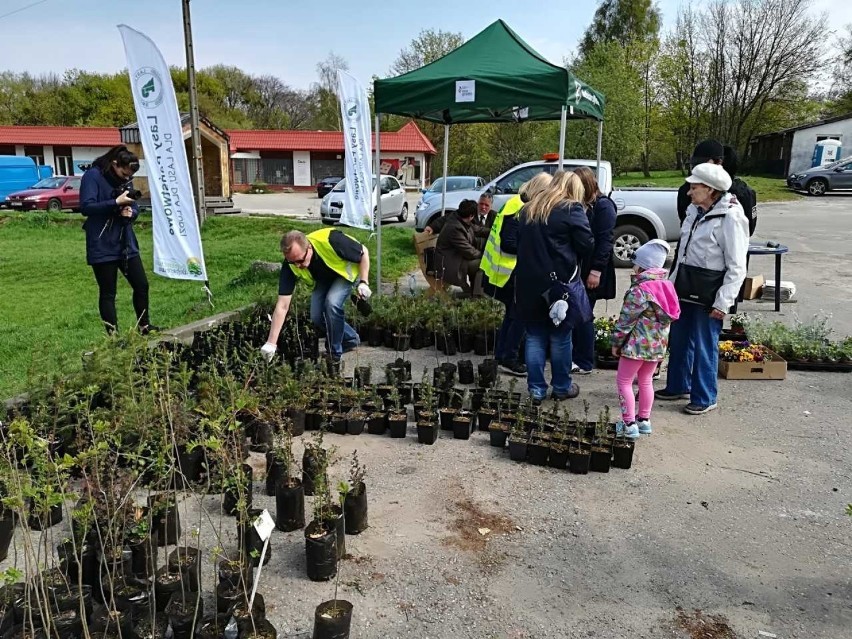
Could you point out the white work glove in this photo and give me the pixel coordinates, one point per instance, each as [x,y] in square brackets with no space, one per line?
[268,351]
[558,311]
[364,291]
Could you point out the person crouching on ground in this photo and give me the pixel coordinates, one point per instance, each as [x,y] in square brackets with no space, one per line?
[331,262]
[456,255]
[709,270]
[641,334]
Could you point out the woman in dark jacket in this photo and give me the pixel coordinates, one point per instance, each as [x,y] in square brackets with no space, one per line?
[110,242]
[553,237]
[598,272]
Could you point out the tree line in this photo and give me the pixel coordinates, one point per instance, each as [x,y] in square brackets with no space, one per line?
[731,70]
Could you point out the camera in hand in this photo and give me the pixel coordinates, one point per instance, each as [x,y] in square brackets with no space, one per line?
[133,194]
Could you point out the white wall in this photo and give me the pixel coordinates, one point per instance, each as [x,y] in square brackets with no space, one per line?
[85,155]
[805,140]
[302,168]
[49,159]
[19,149]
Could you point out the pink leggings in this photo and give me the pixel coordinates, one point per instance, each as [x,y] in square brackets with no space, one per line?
[628,370]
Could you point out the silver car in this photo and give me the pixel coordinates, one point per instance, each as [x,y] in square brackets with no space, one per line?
[393,201]
[821,179]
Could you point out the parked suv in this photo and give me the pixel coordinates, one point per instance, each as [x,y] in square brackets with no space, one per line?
[822,179]
[50,194]
[643,214]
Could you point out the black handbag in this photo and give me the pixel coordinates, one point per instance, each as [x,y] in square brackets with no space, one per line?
[696,284]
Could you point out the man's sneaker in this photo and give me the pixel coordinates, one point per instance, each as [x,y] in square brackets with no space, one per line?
[630,431]
[536,401]
[644,426]
[580,371]
[513,367]
[668,397]
[695,409]
[657,371]
[570,394]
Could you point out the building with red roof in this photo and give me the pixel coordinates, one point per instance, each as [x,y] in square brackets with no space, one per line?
[281,159]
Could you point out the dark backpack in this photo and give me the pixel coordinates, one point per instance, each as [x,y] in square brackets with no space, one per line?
[748,199]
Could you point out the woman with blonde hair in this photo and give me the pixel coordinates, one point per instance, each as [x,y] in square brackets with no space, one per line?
[498,265]
[597,272]
[553,237]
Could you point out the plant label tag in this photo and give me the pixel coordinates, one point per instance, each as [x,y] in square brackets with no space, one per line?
[465,90]
[264,525]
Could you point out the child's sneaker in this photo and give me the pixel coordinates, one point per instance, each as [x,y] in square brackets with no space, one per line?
[631,431]
[644,426]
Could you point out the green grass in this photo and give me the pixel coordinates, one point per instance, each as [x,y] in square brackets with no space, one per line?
[768,189]
[49,299]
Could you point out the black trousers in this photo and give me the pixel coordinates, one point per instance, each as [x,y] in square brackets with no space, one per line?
[106,275]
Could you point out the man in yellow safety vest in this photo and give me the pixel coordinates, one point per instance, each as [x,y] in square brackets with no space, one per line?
[331,262]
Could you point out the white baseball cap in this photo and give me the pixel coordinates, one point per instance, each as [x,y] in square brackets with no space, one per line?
[713,175]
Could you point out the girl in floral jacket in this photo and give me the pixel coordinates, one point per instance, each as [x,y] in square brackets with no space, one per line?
[641,334]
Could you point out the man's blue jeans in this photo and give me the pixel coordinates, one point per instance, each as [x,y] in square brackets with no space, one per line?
[327,302]
[540,336]
[508,341]
[584,344]
[694,355]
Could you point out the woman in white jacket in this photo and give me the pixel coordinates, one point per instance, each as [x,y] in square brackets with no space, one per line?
[708,272]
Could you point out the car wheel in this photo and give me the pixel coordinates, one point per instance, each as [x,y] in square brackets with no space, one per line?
[817,186]
[54,205]
[328,222]
[403,215]
[628,238]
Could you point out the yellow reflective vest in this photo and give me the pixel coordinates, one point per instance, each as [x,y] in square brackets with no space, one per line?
[323,248]
[496,264]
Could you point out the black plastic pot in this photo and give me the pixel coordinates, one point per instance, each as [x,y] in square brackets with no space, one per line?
[362,376]
[185,610]
[487,373]
[398,425]
[484,417]
[313,419]
[44,520]
[247,619]
[188,465]
[480,345]
[558,458]
[231,497]
[320,551]
[622,454]
[376,336]
[377,424]
[601,459]
[537,453]
[249,540]
[465,342]
[261,438]
[462,423]
[427,432]
[333,620]
[310,469]
[465,371]
[262,630]
[477,395]
[340,530]
[401,342]
[338,424]
[275,470]
[355,510]
[355,423]
[235,575]
[166,583]
[289,505]
[446,417]
[165,520]
[297,421]
[7,531]
[143,560]
[578,462]
[518,450]
[497,436]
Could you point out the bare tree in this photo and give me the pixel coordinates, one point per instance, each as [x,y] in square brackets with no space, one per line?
[428,46]
[756,48]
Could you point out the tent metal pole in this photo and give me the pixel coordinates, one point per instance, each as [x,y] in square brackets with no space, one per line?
[600,146]
[563,126]
[378,221]
[446,162]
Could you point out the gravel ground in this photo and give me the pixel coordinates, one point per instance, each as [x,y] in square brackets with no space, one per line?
[728,524]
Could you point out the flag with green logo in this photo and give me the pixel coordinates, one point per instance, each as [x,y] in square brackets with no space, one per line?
[177,240]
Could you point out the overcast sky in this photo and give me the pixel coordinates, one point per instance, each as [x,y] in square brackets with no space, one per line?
[287,38]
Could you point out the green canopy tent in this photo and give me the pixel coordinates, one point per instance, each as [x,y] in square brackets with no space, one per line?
[493,77]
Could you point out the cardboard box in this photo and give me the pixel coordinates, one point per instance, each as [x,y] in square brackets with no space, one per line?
[753,287]
[774,369]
